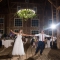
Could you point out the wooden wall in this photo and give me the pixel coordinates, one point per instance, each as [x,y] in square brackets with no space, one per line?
[9,17]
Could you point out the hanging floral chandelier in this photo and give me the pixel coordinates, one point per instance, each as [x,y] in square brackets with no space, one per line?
[26,13]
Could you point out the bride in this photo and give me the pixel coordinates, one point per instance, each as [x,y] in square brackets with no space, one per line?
[18,48]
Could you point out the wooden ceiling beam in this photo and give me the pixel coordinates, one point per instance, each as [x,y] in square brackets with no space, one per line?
[0,0]
[52,3]
[8,5]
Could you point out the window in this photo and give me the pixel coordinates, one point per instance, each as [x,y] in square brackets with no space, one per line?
[50,32]
[35,32]
[1,31]
[16,30]
[35,23]
[18,22]
[1,20]
[18,8]
[35,9]
[49,21]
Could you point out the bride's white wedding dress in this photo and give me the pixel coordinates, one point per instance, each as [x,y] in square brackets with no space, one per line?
[18,48]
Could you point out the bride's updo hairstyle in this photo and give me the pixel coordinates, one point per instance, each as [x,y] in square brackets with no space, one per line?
[21,31]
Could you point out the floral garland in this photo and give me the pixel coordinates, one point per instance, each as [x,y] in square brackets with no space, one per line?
[26,13]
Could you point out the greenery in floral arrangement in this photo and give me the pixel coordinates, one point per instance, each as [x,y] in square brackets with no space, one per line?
[26,13]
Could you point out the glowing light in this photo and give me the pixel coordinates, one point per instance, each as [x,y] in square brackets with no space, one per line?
[53,26]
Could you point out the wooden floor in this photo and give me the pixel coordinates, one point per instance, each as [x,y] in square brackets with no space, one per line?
[48,54]
[29,56]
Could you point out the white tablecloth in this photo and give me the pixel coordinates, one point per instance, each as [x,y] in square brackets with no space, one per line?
[7,43]
[48,44]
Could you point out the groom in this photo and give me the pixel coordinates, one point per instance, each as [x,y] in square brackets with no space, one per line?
[41,42]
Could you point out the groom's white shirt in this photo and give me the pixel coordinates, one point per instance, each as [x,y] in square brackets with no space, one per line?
[40,36]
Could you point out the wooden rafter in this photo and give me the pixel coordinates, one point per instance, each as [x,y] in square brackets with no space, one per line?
[52,3]
[0,0]
[8,5]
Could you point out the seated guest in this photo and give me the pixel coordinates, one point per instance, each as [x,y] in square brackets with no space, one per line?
[54,41]
[34,41]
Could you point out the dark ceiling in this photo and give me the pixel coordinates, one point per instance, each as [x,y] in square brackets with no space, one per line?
[4,4]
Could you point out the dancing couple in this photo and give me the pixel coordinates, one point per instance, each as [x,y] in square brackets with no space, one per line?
[18,48]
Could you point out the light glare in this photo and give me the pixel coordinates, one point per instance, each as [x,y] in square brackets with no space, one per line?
[53,26]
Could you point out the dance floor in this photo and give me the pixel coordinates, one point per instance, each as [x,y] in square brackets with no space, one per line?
[48,54]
